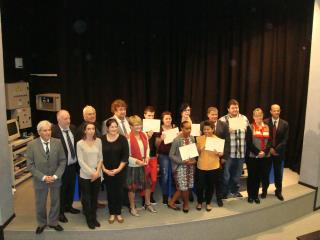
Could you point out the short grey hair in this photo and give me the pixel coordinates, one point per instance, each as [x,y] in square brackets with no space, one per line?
[87,109]
[43,123]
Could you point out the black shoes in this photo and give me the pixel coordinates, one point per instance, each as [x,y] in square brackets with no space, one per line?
[72,210]
[39,229]
[251,200]
[279,196]
[220,202]
[58,228]
[91,225]
[263,195]
[239,195]
[225,196]
[152,201]
[62,218]
[165,199]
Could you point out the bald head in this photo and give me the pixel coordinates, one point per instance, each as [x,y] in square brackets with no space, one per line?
[63,118]
[275,111]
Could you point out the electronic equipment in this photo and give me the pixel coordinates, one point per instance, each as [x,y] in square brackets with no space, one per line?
[13,129]
[23,115]
[48,102]
[17,95]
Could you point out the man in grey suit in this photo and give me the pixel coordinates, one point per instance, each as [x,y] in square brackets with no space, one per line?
[46,161]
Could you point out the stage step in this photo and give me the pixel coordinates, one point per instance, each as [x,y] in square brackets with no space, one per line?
[236,219]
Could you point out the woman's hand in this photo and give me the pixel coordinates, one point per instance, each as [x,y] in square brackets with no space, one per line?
[140,162]
[95,176]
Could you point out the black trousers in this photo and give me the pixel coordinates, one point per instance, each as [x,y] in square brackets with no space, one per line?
[67,187]
[114,187]
[207,182]
[89,197]
[276,161]
[256,172]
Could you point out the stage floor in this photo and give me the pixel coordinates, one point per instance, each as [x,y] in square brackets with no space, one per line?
[25,210]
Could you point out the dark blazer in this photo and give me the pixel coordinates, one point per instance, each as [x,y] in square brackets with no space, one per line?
[39,165]
[57,133]
[282,135]
[222,131]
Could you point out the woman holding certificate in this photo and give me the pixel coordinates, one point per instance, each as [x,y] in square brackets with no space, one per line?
[208,167]
[183,168]
[258,146]
[137,178]
[163,156]
[185,112]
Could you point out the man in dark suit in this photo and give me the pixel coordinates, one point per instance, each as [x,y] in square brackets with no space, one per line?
[221,131]
[279,132]
[46,161]
[119,110]
[66,132]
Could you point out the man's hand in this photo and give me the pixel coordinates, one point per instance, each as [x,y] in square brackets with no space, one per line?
[49,179]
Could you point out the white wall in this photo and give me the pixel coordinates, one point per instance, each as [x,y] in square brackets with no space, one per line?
[6,198]
[310,162]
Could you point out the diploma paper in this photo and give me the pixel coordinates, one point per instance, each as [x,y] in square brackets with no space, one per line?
[188,151]
[151,125]
[237,123]
[170,135]
[195,130]
[214,144]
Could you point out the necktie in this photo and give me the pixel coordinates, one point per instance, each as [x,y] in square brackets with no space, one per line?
[73,154]
[47,148]
[274,133]
[124,128]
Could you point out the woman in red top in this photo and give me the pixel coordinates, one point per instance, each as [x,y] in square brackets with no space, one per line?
[258,147]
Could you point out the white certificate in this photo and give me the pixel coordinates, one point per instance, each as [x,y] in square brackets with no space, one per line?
[195,130]
[151,125]
[214,143]
[188,151]
[170,135]
[237,123]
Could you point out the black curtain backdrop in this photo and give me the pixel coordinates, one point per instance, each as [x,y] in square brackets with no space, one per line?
[163,53]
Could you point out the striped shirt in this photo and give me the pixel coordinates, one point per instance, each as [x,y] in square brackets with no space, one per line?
[237,138]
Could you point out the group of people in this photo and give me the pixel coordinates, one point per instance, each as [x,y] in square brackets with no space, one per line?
[126,160]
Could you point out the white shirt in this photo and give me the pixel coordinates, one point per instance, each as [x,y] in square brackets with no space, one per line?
[125,122]
[64,134]
[277,122]
[44,145]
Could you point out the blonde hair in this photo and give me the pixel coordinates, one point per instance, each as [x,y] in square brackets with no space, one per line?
[135,119]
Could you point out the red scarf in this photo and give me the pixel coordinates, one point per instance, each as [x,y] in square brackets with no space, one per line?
[261,132]
[134,146]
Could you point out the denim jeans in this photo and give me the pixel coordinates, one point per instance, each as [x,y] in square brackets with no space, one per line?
[165,174]
[231,175]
